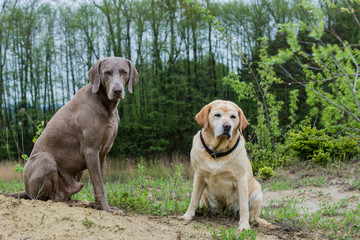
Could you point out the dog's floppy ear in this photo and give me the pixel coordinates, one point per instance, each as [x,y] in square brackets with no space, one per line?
[243,121]
[133,78]
[94,76]
[202,117]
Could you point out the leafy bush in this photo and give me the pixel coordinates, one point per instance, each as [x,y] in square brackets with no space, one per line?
[311,143]
[266,173]
[321,158]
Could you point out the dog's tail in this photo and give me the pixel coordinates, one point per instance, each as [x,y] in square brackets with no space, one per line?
[23,195]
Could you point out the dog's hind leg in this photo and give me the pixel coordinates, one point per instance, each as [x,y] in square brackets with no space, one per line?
[41,177]
[255,200]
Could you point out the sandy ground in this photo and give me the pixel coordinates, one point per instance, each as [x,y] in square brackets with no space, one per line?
[28,219]
[32,219]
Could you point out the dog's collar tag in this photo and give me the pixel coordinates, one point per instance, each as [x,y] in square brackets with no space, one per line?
[221,154]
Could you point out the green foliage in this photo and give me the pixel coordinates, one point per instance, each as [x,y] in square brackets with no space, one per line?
[18,168]
[284,211]
[230,234]
[146,194]
[320,157]
[334,217]
[329,68]
[311,143]
[40,129]
[279,184]
[356,184]
[11,187]
[87,223]
[266,173]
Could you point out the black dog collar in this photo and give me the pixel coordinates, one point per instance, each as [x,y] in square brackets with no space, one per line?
[221,154]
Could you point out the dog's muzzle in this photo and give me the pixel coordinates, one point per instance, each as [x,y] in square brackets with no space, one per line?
[118,92]
[226,130]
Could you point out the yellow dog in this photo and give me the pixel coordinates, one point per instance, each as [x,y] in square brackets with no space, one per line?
[223,174]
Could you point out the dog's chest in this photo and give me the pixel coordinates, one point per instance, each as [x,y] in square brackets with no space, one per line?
[109,135]
[215,167]
[220,174]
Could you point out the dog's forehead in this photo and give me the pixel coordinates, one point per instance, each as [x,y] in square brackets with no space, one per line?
[224,107]
[115,63]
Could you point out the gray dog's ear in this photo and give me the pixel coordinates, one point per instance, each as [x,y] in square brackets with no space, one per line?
[94,76]
[133,78]
[202,117]
[243,121]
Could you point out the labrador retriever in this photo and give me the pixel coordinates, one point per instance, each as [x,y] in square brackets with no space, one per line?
[223,176]
[79,136]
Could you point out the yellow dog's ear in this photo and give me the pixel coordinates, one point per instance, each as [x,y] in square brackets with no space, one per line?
[243,121]
[202,117]
[94,76]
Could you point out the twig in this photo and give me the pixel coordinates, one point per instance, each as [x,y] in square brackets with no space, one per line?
[321,95]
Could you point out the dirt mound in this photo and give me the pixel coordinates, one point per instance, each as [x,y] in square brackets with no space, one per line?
[31,219]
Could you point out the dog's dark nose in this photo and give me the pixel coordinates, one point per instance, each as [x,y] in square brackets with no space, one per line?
[117,89]
[227,127]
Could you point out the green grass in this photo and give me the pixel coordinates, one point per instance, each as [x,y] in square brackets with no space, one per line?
[12,186]
[279,184]
[230,234]
[146,194]
[284,211]
[334,218]
[150,189]
[356,184]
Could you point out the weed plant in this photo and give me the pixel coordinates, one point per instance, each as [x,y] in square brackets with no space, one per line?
[334,218]
[146,194]
[11,187]
[230,234]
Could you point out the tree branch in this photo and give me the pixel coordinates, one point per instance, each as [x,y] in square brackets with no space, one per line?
[321,95]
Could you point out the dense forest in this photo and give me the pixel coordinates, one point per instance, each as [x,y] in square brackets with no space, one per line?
[187,53]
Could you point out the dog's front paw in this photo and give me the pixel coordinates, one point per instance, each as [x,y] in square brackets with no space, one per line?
[187,217]
[243,226]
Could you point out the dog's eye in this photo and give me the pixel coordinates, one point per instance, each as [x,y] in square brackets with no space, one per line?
[217,115]
[123,72]
[232,116]
[109,73]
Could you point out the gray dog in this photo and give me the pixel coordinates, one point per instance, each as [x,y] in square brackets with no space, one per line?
[79,136]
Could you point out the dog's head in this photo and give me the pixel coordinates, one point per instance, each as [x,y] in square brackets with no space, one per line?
[113,73]
[222,118]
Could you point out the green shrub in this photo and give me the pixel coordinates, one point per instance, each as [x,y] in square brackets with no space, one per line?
[266,173]
[261,157]
[313,144]
[321,158]
[344,148]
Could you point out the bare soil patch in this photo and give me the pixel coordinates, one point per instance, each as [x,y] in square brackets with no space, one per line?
[31,219]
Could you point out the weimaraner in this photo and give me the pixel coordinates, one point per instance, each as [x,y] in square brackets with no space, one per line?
[79,136]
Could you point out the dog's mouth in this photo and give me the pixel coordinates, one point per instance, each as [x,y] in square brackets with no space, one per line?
[118,96]
[226,134]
